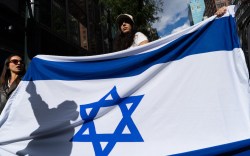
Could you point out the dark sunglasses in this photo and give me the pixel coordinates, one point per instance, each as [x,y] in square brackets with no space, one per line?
[16,61]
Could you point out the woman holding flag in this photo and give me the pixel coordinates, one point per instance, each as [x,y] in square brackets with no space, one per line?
[128,37]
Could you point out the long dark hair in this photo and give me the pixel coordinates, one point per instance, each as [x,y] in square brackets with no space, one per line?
[6,74]
[123,40]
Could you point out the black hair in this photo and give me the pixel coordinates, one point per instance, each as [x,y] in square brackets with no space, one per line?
[124,40]
[5,76]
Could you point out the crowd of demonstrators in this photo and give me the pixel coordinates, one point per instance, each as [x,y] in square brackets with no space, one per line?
[13,71]
[127,36]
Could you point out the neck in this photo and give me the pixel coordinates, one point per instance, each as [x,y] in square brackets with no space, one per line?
[12,78]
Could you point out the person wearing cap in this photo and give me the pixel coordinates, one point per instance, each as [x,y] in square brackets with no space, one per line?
[128,37]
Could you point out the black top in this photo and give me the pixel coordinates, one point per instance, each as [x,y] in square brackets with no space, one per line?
[5,93]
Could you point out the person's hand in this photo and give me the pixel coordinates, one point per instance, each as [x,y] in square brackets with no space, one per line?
[221,11]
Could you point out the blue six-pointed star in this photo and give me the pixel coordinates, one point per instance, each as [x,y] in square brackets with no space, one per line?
[117,136]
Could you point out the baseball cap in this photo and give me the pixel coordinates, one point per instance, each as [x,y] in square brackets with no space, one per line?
[122,17]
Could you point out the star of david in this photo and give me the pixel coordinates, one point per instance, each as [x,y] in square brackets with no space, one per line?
[127,106]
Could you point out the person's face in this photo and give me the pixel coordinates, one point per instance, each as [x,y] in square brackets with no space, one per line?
[125,26]
[16,64]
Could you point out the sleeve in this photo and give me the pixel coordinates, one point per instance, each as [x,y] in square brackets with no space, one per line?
[139,37]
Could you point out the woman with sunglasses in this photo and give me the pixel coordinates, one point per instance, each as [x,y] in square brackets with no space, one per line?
[13,71]
[127,37]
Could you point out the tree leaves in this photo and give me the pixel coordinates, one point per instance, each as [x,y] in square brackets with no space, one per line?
[143,11]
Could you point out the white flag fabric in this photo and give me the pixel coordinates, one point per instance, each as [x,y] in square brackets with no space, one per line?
[185,94]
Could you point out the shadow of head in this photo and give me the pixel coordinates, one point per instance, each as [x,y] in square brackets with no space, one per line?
[31,88]
[69,109]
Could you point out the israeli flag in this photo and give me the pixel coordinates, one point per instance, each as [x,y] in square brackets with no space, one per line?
[185,94]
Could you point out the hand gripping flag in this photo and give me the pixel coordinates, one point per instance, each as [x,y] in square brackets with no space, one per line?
[184,94]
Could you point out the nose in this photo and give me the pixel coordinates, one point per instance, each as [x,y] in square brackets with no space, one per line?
[123,23]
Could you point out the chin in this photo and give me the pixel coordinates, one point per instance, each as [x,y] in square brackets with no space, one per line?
[125,31]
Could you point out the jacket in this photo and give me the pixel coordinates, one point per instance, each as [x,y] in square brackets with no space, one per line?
[5,93]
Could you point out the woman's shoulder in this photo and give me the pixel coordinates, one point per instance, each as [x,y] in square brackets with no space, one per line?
[1,88]
[139,37]
[139,33]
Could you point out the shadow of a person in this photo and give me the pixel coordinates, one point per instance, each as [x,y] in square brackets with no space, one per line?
[52,137]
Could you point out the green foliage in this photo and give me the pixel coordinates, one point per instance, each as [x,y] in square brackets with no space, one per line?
[143,11]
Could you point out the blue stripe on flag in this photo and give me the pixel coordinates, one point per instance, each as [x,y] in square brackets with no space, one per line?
[239,148]
[217,35]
